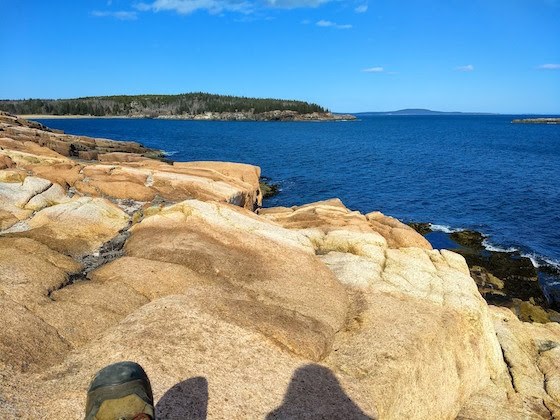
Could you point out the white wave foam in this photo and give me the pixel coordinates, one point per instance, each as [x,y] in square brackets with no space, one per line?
[539,260]
[552,284]
[495,248]
[533,259]
[171,153]
[553,263]
[444,228]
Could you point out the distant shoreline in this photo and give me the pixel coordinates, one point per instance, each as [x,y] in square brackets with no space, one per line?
[72,117]
[270,116]
[537,121]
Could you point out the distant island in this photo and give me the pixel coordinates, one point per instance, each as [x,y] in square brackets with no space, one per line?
[188,106]
[419,111]
[537,121]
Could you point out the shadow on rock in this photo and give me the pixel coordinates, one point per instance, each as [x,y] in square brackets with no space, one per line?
[315,393]
[187,400]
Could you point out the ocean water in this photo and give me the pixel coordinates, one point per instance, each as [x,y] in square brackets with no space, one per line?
[478,172]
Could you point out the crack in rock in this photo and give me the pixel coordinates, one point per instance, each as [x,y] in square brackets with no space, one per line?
[36,193]
[109,251]
[509,367]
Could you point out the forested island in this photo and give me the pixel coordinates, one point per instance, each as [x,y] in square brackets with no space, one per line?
[183,106]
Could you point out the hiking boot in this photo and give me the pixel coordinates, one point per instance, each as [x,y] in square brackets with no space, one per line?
[120,391]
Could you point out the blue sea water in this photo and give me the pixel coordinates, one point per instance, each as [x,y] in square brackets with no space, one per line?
[479,172]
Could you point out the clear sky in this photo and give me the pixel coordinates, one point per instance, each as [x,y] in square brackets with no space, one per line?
[359,55]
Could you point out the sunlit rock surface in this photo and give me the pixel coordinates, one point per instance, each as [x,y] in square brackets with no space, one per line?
[306,312]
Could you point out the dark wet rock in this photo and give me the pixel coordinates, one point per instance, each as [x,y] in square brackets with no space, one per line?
[421,228]
[468,238]
[268,188]
[503,278]
[518,274]
[528,311]
[486,281]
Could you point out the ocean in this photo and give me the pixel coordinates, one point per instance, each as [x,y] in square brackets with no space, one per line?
[457,172]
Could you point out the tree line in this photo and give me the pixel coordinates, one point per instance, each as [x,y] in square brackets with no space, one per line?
[155,105]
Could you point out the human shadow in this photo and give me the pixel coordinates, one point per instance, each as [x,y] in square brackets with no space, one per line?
[315,393]
[186,400]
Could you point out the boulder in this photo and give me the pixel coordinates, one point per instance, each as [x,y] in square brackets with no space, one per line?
[151,279]
[331,215]
[77,227]
[21,196]
[28,147]
[143,179]
[176,184]
[325,215]
[12,175]
[396,233]
[88,155]
[116,182]
[31,271]
[405,302]
[29,157]
[26,341]
[121,157]
[228,246]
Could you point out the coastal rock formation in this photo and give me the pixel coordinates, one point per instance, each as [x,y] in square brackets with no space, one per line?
[277,115]
[116,170]
[504,277]
[24,131]
[313,311]
[76,227]
[331,215]
[532,354]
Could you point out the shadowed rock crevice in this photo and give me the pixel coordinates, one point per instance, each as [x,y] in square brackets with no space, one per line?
[109,251]
[509,369]
[543,348]
[70,279]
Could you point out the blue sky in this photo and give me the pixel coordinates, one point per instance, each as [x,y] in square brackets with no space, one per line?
[350,56]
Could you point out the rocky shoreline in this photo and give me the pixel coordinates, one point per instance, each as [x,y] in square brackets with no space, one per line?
[537,121]
[222,116]
[108,253]
[504,278]
[265,116]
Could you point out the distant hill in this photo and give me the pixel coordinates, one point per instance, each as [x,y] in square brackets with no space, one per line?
[156,105]
[419,111]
